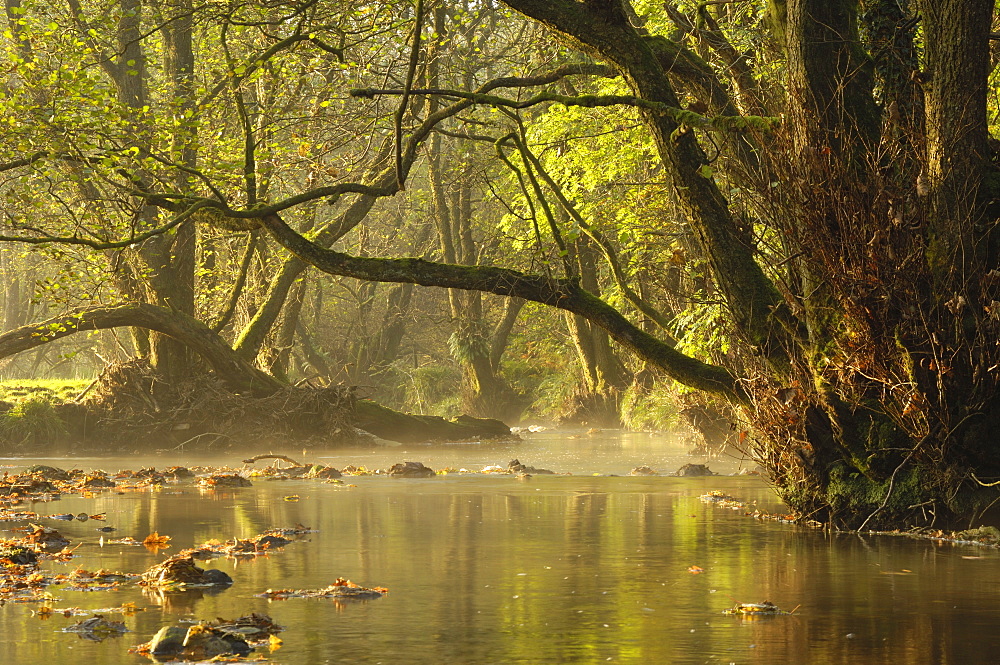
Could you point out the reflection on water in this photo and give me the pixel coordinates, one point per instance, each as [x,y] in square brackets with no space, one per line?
[564,569]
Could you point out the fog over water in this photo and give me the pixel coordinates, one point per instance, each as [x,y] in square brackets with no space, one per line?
[577,568]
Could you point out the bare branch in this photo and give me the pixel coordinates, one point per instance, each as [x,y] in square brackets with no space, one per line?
[44,239]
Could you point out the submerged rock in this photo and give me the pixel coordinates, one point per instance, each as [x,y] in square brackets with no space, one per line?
[46,538]
[515,466]
[98,481]
[320,471]
[151,475]
[689,470]
[178,472]
[18,555]
[97,628]
[30,485]
[224,480]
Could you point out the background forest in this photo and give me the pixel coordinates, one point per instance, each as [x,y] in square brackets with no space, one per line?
[251,100]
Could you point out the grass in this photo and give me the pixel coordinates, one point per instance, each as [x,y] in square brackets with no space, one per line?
[33,420]
[51,390]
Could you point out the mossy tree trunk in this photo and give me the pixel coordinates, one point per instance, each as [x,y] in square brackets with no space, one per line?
[484,392]
[604,375]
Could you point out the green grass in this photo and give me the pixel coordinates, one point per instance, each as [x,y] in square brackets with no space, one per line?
[33,420]
[52,390]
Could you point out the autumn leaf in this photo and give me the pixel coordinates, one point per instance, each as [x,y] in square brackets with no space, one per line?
[154,542]
[156,539]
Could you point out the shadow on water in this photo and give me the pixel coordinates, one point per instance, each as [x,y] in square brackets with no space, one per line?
[554,569]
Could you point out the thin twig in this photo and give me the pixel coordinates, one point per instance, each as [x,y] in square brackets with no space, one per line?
[410,73]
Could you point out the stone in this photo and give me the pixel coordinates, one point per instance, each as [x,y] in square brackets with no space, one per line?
[218,577]
[515,466]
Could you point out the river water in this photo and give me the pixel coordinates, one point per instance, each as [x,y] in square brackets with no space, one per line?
[578,568]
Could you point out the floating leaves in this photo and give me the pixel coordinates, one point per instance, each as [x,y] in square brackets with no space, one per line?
[767,608]
[341,589]
[97,628]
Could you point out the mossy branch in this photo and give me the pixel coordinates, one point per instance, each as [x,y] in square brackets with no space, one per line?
[564,294]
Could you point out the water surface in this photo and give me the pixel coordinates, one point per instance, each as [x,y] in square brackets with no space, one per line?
[556,569]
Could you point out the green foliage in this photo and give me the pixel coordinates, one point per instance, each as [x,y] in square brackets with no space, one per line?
[849,490]
[465,347]
[555,394]
[702,331]
[650,409]
[32,421]
[434,390]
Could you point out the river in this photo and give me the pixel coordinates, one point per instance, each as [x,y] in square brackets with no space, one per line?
[592,567]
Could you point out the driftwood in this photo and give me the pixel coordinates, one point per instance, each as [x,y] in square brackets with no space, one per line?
[282,457]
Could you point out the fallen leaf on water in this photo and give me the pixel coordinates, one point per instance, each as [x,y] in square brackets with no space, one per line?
[154,542]
[156,539]
[274,642]
[694,570]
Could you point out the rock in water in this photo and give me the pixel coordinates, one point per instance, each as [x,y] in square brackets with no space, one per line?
[168,641]
[410,470]
[695,470]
